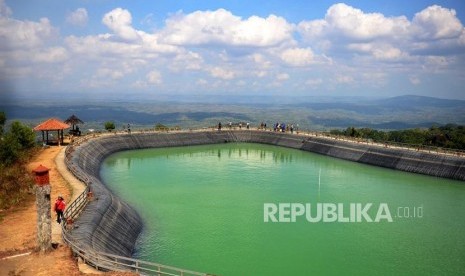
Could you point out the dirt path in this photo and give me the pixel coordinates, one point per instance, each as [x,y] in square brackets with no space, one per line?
[18,230]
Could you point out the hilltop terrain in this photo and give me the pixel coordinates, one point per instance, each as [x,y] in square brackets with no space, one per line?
[317,113]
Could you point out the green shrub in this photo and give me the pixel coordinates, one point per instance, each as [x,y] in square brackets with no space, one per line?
[109,126]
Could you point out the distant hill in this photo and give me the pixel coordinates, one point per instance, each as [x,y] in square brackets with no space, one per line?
[317,113]
[413,101]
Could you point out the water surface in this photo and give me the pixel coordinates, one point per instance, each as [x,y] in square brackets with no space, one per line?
[203,209]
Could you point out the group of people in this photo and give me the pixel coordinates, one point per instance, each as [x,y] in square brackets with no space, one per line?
[230,125]
[280,127]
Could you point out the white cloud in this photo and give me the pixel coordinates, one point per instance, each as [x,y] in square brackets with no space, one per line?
[222,51]
[380,51]
[221,27]
[154,77]
[342,20]
[260,60]
[17,34]
[5,11]
[414,80]
[260,74]
[119,21]
[298,56]
[201,82]
[110,73]
[51,55]
[436,22]
[434,29]
[186,61]
[78,17]
[221,73]
[344,79]
[314,82]
[282,77]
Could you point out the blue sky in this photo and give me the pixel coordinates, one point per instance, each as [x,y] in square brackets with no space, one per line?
[289,48]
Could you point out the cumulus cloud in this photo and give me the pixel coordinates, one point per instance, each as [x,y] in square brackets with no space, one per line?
[119,21]
[129,42]
[344,79]
[218,49]
[221,27]
[260,60]
[221,73]
[78,17]
[355,24]
[186,60]
[343,21]
[16,34]
[282,77]
[436,22]
[4,9]
[201,82]
[298,56]
[314,82]
[52,55]
[28,49]
[114,74]
[154,77]
[346,29]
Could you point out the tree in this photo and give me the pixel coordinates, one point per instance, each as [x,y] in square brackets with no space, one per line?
[9,150]
[15,145]
[23,134]
[16,142]
[2,121]
[352,132]
[109,126]
[160,126]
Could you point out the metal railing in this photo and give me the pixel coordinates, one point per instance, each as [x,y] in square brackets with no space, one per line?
[109,262]
[75,208]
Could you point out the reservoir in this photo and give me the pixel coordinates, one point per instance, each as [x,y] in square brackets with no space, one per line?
[203,209]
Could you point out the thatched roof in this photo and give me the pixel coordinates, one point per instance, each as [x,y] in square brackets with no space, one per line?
[73,120]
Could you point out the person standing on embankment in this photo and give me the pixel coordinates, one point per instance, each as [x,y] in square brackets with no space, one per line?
[60,208]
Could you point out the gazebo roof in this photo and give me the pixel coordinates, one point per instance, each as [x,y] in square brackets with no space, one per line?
[73,120]
[51,124]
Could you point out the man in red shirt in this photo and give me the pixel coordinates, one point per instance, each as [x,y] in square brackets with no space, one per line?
[60,208]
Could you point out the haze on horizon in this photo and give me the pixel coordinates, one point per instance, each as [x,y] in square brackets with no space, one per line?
[297,49]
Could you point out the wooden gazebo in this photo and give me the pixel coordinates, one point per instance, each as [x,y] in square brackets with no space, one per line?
[52,124]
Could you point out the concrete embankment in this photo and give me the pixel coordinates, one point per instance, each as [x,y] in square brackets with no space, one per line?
[110,225]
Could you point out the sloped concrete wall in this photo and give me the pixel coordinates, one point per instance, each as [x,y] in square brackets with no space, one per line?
[110,225]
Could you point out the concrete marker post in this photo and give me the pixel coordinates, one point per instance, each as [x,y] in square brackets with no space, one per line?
[42,190]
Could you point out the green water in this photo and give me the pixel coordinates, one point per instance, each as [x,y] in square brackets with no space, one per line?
[203,209]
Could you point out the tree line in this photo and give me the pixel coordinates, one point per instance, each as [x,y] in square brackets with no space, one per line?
[448,136]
